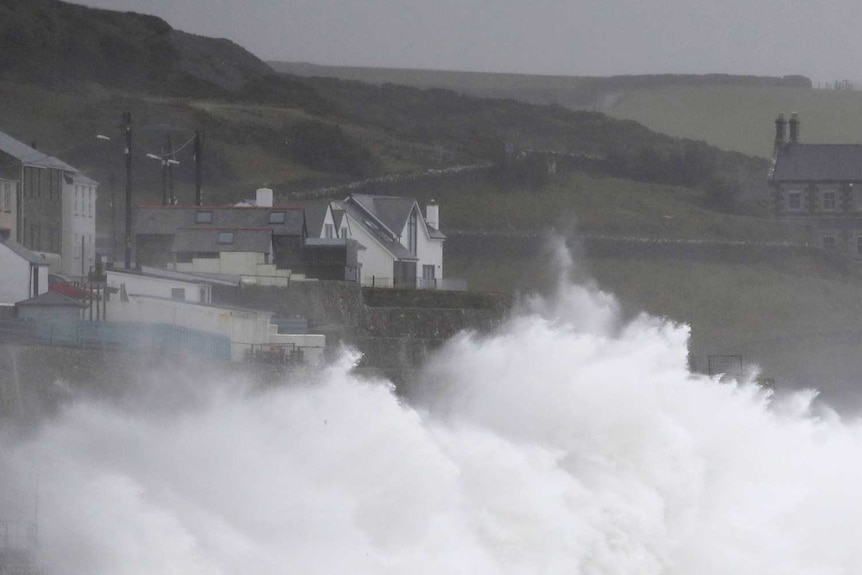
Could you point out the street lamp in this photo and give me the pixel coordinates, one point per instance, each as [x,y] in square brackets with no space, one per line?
[166,164]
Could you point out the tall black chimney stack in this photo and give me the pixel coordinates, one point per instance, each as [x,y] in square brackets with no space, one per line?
[794,128]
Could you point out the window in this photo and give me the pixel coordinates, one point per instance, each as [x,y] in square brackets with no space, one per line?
[225,237]
[828,242]
[411,232]
[276,217]
[794,200]
[203,217]
[178,293]
[829,200]
[330,230]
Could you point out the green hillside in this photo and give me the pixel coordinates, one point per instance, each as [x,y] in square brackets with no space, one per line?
[741,118]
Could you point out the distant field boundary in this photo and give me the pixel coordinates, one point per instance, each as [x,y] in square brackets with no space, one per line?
[608,246]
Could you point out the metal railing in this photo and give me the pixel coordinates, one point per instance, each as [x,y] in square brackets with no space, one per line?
[275,353]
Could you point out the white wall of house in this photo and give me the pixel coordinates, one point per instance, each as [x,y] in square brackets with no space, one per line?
[16,278]
[79,227]
[244,328]
[430,252]
[233,263]
[328,229]
[9,206]
[376,263]
[159,287]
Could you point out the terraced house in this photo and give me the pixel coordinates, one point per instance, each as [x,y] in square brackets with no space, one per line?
[820,184]
[54,205]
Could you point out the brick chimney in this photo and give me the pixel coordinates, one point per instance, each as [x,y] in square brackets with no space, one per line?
[794,128]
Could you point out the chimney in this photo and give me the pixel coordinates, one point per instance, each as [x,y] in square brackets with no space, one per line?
[264,198]
[780,125]
[432,215]
[794,128]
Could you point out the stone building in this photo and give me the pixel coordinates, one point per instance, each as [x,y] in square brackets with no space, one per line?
[821,185]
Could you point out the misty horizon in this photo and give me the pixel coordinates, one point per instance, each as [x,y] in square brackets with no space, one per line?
[547,38]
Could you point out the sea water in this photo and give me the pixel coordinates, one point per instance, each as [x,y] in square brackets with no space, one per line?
[567,441]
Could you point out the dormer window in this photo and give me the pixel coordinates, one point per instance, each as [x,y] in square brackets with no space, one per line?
[203,217]
[225,238]
[276,217]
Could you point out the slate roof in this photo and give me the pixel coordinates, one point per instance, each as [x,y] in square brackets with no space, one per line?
[166,220]
[25,253]
[206,240]
[315,215]
[30,156]
[51,299]
[391,211]
[390,243]
[818,162]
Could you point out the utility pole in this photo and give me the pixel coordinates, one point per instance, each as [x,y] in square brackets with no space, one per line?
[164,161]
[169,160]
[199,149]
[127,128]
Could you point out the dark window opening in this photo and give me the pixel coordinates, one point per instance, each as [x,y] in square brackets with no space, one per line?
[203,217]
[225,237]
[276,217]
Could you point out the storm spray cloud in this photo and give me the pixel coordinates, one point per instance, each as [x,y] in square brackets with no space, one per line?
[568,441]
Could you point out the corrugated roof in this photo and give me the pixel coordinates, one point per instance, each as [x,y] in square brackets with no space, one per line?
[207,240]
[818,162]
[31,156]
[166,220]
[25,253]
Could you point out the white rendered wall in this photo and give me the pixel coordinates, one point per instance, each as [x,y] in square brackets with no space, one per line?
[244,328]
[79,221]
[15,281]
[374,260]
[158,287]
[429,252]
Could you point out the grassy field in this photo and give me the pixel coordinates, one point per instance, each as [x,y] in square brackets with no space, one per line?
[741,118]
[600,206]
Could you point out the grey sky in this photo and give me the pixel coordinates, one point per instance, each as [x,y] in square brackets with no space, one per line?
[598,37]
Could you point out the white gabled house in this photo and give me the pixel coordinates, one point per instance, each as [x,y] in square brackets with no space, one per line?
[400,247]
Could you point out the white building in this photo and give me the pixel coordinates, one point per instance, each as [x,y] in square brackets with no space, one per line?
[79,224]
[184,300]
[23,273]
[401,247]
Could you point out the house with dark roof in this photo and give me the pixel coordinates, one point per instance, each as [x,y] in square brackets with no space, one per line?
[399,246]
[55,205]
[156,229]
[24,273]
[820,184]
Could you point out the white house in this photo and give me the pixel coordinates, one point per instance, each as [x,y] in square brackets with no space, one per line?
[24,273]
[401,247]
[49,191]
[161,283]
[79,224]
